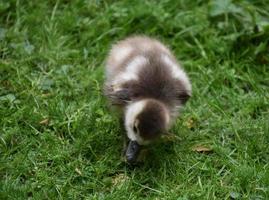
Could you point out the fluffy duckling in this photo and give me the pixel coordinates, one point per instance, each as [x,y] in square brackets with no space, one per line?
[146,82]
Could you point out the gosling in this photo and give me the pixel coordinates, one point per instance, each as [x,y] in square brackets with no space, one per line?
[146,82]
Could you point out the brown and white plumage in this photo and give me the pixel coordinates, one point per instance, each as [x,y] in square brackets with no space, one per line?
[144,79]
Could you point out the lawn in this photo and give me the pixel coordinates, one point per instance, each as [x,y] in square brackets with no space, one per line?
[60,140]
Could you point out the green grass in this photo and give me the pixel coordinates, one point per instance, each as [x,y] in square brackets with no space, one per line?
[52,68]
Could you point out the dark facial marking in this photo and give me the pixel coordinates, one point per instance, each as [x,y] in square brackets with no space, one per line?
[151,121]
[135,129]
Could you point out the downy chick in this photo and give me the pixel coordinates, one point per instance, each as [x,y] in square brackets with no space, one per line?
[145,81]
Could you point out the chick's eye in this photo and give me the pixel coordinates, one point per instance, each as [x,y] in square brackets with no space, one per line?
[135,129]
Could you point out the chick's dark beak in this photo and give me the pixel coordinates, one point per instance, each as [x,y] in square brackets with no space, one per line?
[132,151]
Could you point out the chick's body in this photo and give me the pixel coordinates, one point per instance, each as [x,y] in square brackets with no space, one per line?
[144,79]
